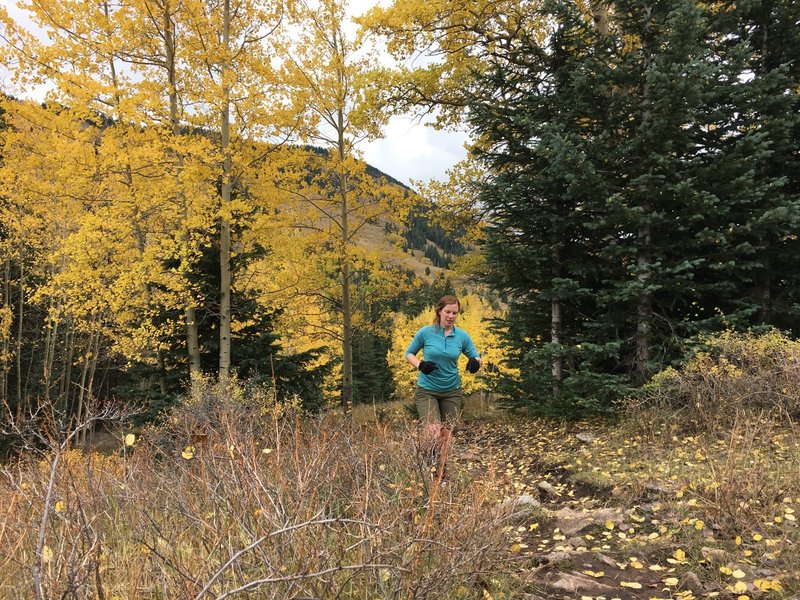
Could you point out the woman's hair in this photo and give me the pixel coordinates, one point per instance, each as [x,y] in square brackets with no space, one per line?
[444,301]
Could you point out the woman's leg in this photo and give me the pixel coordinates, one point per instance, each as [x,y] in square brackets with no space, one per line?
[450,407]
[430,425]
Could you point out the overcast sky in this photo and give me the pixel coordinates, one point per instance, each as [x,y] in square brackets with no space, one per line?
[409,151]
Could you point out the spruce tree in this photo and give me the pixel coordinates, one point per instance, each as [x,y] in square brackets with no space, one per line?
[643,190]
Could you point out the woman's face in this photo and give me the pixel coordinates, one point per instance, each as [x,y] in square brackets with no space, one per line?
[448,314]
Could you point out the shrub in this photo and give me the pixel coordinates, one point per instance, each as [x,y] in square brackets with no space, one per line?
[729,375]
[231,496]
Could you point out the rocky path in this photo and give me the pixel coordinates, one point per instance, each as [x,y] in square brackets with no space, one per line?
[582,541]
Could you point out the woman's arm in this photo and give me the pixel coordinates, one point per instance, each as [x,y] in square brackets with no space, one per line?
[413,360]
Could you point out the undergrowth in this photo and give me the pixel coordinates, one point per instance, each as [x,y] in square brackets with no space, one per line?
[234,494]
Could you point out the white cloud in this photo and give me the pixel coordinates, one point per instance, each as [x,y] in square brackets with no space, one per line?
[411,150]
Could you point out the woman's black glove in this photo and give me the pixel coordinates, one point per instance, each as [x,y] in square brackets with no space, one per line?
[426,366]
[473,364]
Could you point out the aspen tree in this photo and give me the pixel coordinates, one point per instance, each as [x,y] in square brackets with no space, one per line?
[340,199]
[100,60]
[182,68]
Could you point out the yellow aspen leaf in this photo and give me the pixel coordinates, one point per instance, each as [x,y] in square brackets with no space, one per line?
[738,540]
[266,451]
[634,585]
[655,568]
[738,573]
[653,535]
[47,554]
[595,574]
[778,519]
[609,524]
[726,570]
[789,517]
[188,452]
[757,537]
[636,564]
[699,525]
[130,439]
[763,584]
[60,506]
[670,581]
[743,598]
[740,586]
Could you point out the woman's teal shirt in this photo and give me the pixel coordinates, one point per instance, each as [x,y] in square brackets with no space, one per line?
[444,351]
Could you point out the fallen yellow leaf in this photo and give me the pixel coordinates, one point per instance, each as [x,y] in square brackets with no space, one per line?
[595,574]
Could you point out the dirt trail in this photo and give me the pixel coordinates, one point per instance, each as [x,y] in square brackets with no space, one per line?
[574,540]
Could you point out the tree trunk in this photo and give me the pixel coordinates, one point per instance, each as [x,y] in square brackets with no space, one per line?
[557,367]
[225,226]
[66,363]
[644,304]
[347,309]
[599,10]
[5,349]
[51,339]
[192,340]
[20,315]
[90,382]
[137,228]
[190,316]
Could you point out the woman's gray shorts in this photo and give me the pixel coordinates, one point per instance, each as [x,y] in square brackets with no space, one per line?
[439,407]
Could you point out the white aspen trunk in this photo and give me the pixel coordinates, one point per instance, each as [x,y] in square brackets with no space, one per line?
[347,309]
[225,226]
[90,383]
[5,350]
[18,361]
[557,366]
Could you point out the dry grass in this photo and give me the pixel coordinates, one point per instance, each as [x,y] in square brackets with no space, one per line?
[227,498]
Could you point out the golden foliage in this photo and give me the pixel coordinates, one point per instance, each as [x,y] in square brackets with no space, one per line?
[474,318]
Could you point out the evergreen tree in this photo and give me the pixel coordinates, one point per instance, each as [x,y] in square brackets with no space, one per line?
[257,354]
[542,117]
[643,189]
